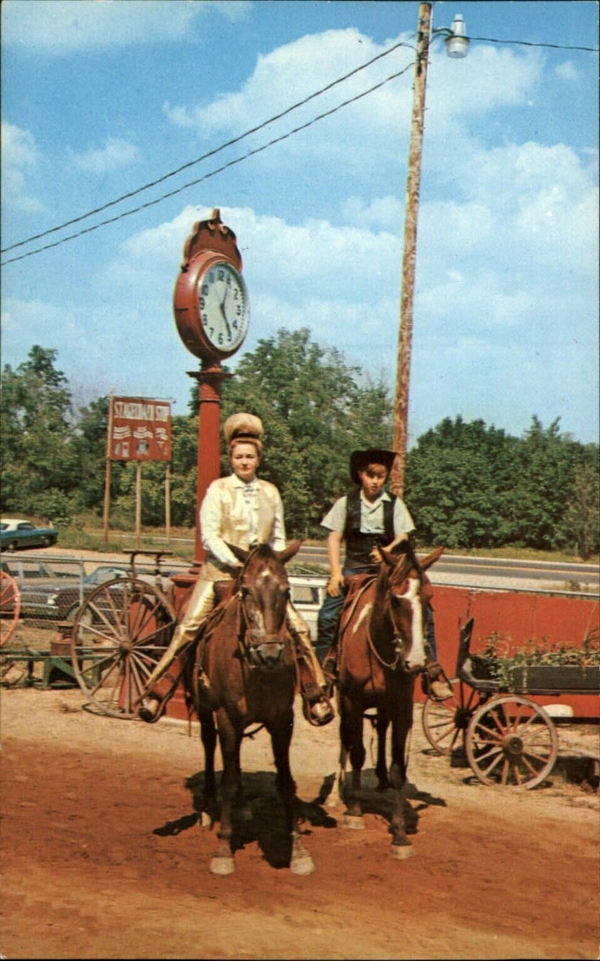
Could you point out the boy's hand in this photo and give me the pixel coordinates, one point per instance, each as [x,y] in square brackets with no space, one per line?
[335,584]
[376,555]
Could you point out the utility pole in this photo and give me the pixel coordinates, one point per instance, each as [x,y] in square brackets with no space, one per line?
[400,420]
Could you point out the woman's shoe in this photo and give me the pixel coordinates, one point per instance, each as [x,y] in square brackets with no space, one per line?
[151,708]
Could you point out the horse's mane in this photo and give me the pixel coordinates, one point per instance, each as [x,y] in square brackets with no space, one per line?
[262,551]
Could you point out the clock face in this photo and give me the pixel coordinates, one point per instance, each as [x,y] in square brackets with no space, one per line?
[223,306]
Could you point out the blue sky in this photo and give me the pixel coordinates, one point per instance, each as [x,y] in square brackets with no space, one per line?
[100,97]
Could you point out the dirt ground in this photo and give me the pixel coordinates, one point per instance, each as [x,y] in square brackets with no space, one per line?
[103,855]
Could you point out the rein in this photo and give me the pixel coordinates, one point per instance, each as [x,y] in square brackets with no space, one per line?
[398,659]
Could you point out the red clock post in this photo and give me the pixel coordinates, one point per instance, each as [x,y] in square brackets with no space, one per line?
[211,307]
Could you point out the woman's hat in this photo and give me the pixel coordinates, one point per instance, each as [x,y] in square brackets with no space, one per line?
[360,459]
[242,426]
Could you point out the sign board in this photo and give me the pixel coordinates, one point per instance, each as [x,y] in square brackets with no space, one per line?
[139,429]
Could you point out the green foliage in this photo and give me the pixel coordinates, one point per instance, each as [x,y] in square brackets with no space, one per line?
[459,479]
[37,454]
[468,486]
[498,661]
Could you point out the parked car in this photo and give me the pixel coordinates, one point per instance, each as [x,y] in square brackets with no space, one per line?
[17,533]
[57,595]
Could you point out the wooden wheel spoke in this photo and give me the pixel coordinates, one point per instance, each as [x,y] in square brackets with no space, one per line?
[526,743]
[129,622]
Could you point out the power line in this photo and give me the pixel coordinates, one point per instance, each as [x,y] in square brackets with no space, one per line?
[250,153]
[210,153]
[212,173]
[530,43]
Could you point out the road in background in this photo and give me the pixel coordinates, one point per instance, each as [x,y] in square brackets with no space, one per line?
[453,569]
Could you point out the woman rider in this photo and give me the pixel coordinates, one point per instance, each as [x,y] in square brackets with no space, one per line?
[241,510]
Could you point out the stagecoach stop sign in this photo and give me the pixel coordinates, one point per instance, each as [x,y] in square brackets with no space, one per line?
[212,310]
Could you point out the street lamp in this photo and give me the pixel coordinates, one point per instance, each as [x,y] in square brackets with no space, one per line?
[457,44]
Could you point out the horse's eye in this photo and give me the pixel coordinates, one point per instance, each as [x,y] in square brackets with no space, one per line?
[245,591]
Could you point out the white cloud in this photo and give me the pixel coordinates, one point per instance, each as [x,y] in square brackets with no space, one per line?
[115,154]
[567,71]
[59,27]
[19,157]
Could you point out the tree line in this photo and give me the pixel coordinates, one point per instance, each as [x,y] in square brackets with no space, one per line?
[467,484]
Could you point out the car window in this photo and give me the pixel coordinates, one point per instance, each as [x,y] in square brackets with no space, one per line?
[3,527]
[26,527]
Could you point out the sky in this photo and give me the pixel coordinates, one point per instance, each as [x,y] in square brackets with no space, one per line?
[103,97]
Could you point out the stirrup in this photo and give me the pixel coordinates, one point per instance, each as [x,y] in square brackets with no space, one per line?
[317,711]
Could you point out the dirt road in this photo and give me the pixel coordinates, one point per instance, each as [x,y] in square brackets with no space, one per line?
[103,856]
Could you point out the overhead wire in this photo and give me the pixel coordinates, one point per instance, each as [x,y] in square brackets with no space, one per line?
[245,156]
[209,153]
[211,173]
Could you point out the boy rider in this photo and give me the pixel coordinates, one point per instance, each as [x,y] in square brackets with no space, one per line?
[365,518]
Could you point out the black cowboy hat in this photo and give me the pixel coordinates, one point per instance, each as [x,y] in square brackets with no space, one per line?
[360,459]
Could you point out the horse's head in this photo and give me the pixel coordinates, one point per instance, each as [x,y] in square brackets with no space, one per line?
[265,591]
[405,590]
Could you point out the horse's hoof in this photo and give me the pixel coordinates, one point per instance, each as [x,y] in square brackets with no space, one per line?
[354,822]
[303,864]
[402,851]
[222,865]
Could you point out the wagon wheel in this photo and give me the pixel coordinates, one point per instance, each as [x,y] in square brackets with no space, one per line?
[118,635]
[445,722]
[10,606]
[511,741]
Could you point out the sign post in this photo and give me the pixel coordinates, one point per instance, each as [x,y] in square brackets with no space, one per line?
[139,429]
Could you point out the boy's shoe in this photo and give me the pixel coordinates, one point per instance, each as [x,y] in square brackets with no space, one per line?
[319,711]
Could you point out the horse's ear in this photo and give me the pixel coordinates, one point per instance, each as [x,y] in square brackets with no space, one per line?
[431,558]
[288,552]
[239,552]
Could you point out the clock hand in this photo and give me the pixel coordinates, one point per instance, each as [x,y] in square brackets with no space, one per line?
[224,315]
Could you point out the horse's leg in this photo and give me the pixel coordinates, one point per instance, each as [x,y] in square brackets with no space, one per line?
[351,734]
[401,727]
[281,736]
[381,725]
[336,796]
[229,740]
[208,733]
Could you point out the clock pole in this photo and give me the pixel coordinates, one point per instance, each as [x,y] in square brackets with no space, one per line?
[210,378]
[210,244]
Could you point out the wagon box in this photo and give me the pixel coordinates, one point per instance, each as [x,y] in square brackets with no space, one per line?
[555,678]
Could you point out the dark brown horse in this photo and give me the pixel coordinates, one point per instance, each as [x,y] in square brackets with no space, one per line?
[381,648]
[245,674]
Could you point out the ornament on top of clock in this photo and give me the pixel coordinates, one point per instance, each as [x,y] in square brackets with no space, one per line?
[210,299]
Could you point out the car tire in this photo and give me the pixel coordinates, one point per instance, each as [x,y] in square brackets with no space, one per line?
[12,545]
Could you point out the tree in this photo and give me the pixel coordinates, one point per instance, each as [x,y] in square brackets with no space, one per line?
[38,464]
[458,482]
[315,409]
[580,527]
[542,484]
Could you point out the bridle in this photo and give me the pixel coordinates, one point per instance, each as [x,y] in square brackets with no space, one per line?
[258,652]
[398,661]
